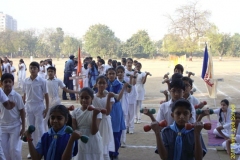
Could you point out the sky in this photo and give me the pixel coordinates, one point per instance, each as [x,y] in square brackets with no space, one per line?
[124,17]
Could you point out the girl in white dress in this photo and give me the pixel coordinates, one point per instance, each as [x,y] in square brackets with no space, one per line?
[21,73]
[224,115]
[124,100]
[140,81]
[102,100]
[41,72]
[13,69]
[87,122]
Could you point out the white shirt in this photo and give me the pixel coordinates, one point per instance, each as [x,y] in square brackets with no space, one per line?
[12,69]
[6,68]
[226,121]
[3,97]
[193,100]
[53,86]
[165,111]
[107,66]
[12,117]
[35,89]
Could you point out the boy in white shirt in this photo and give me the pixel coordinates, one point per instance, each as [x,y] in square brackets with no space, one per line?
[12,121]
[53,85]
[35,91]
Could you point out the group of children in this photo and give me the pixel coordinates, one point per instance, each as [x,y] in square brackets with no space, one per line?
[116,98]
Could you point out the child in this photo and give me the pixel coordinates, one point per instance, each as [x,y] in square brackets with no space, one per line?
[117,113]
[93,73]
[53,143]
[187,93]
[12,121]
[224,120]
[21,73]
[140,90]
[174,141]
[53,85]
[176,90]
[124,101]
[109,65]
[105,127]
[41,72]
[101,67]
[87,122]
[228,144]
[13,69]
[131,96]
[35,91]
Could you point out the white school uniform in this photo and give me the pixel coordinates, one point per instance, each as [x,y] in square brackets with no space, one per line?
[34,106]
[54,99]
[105,126]
[124,102]
[6,68]
[10,121]
[226,121]
[165,110]
[193,100]
[13,73]
[131,102]
[21,75]
[234,146]
[107,66]
[101,70]
[140,90]
[46,67]
[85,76]
[41,72]
[3,98]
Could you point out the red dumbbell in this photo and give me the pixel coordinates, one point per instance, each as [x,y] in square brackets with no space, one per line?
[147,128]
[200,105]
[206,126]
[103,111]
[71,108]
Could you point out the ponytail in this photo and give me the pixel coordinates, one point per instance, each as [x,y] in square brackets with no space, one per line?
[220,117]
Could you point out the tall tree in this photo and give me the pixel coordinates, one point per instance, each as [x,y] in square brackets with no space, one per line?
[189,23]
[100,40]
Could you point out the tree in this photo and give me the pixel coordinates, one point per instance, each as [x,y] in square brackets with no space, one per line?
[189,24]
[172,44]
[139,45]
[234,48]
[70,45]
[100,40]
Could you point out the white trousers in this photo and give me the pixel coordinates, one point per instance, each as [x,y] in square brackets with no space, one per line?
[218,134]
[130,117]
[35,117]
[124,132]
[2,157]
[11,143]
[137,109]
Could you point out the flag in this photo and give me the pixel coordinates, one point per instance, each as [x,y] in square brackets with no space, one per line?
[207,74]
[79,67]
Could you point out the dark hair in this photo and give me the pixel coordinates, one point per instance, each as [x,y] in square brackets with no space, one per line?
[119,64]
[52,68]
[21,60]
[99,57]
[120,67]
[110,69]
[177,76]
[182,103]
[227,103]
[189,80]
[102,61]
[179,67]
[75,62]
[7,76]
[41,61]
[177,83]
[90,58]
[124,60]
[114,64]
[135,61]
[110,60]
[35,64]
[93,64]
[64,112]
[88,90]
[138,63]
[50,62]
[85,65]
[101,77]
[129,59]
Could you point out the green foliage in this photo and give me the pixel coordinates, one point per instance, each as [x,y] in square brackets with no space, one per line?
[100,40]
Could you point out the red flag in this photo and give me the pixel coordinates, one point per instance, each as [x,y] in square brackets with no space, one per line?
[79,68]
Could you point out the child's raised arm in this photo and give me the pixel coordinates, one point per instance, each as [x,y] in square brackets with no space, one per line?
[109,103]
[33,152]
[67,154]
[198,151]
[163,154]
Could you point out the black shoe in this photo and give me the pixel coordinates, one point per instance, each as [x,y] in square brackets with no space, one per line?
[115,157]
[65,99]
[73,99]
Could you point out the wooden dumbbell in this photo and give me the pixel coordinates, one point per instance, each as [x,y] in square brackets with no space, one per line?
[106,92]
[129,86]
[103,110]
[30,130]
[194,90]
[166,75]
[206,126]
[152,111]
[191,73]
[199,111]
[201,105]
[83,138]
[147,128]
[130,75]
[71,108]
[164,81]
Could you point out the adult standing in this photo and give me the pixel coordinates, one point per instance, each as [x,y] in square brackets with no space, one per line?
[69,68]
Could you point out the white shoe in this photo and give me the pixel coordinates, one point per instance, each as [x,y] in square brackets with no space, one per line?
[131,132]
[135,121]
[123,145]
[29,156]
[139,121]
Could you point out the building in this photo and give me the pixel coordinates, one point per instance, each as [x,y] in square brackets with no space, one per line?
[7,22]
